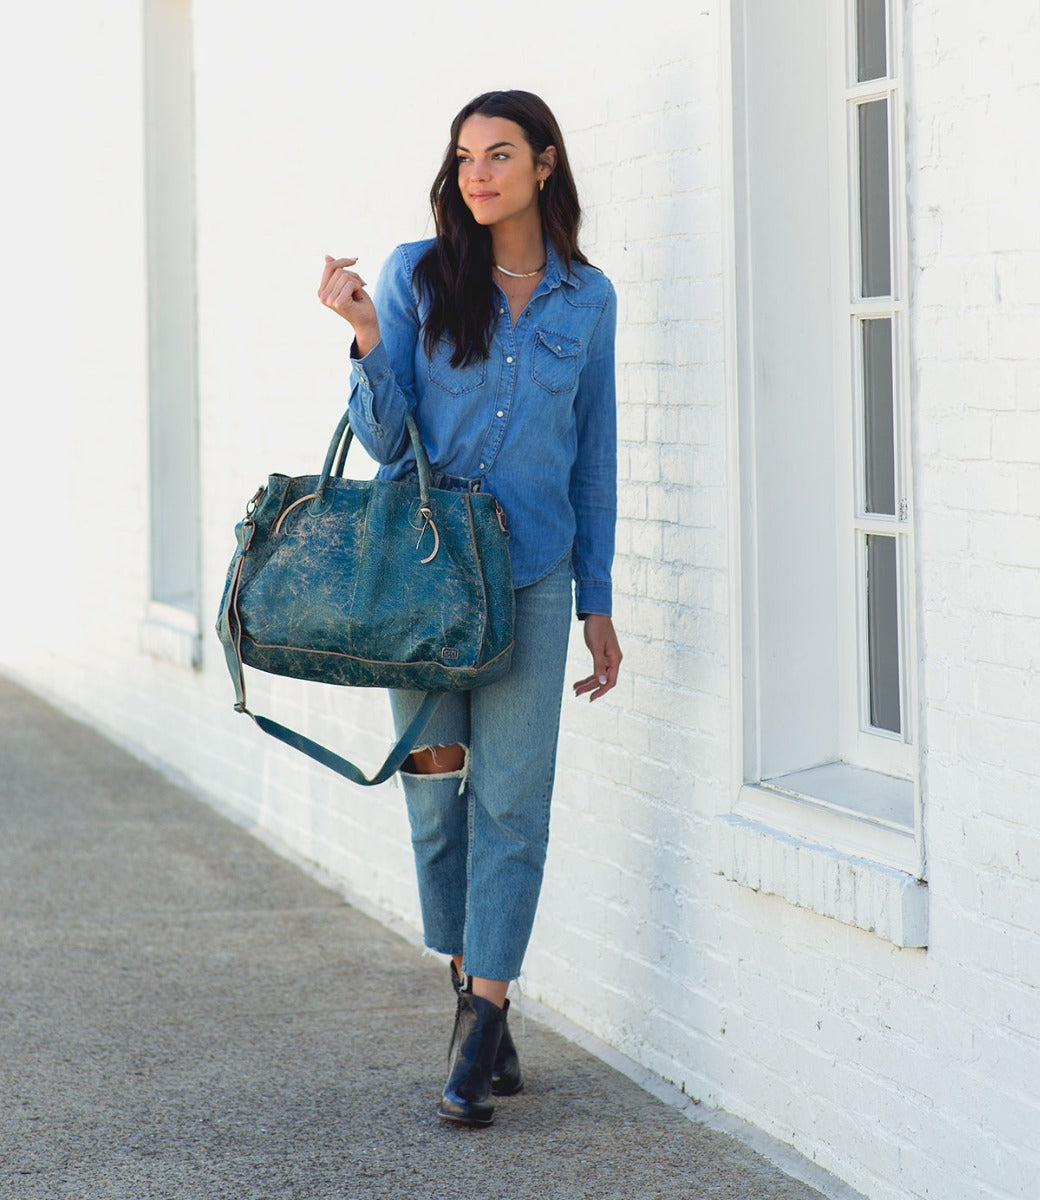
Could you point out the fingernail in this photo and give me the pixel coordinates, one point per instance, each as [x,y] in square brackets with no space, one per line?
[601,678]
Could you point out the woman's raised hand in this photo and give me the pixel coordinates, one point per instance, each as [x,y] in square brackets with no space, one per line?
[343,291]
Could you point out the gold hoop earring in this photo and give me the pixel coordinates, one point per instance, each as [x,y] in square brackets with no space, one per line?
[541,185]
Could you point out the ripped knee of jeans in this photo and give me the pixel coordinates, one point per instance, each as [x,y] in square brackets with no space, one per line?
[451,762]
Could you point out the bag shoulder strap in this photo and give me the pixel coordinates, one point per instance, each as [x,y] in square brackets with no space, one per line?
[399,752]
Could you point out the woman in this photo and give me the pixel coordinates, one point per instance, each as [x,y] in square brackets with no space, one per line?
[498,336]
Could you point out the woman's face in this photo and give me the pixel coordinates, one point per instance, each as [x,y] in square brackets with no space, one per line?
[498,177]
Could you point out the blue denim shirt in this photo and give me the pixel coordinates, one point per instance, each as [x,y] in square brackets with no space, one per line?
[534,424]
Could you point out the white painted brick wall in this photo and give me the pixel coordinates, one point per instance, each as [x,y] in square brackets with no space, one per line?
[976,279]
[907,1073]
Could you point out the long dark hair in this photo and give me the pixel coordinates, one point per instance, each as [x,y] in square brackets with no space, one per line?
[455,273]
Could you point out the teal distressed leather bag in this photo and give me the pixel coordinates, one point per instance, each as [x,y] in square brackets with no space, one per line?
[368,584]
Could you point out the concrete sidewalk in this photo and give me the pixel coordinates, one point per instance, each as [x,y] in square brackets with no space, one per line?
[184,1014]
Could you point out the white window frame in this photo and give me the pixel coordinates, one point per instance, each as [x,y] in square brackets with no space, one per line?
[171,626]
[893,754]
[843,835]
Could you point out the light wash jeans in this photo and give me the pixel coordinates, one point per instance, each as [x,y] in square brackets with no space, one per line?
[480,834]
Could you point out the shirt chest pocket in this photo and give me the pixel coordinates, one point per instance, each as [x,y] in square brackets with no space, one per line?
[555,361]
[454,380]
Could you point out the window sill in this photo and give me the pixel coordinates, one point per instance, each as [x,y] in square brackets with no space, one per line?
[859,813]
[886,901]
[171,634]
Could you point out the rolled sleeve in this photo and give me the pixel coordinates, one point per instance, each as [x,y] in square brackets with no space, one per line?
[593,598]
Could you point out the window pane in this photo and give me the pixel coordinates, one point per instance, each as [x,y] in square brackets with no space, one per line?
[871,60]
[873,198]
[879,432]
[883,632]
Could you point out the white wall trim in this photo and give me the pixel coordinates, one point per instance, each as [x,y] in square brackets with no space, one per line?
[171,634]
[881,900]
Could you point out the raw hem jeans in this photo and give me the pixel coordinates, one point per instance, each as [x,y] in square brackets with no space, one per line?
[480,834]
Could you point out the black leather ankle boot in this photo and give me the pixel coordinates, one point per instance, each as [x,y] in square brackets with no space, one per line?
[478,1031]
[506,1078]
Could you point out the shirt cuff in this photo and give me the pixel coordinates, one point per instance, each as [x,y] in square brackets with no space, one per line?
[368,371]
[375,363]
[592,596]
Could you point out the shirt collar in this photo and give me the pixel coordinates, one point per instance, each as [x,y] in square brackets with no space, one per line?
[554,272]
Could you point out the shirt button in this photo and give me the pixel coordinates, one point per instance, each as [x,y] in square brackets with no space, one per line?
[482,466]
[500,413]
[501,311]
[510,358]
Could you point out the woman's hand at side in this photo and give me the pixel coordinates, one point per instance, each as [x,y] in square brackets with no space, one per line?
[606,657]
[343,291]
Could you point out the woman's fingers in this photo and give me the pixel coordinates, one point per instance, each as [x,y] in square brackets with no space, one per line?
[343,283]
[343,290]
[594,686]
[597,684]
[331,266]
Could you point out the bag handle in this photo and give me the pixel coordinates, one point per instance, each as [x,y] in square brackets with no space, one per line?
[341,439]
